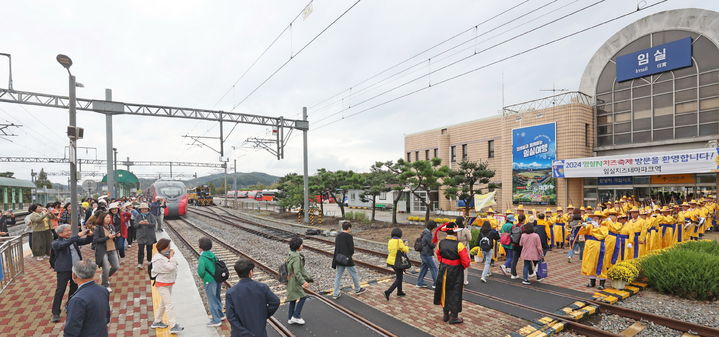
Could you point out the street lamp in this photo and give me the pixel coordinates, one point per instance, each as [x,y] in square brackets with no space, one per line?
[74,133]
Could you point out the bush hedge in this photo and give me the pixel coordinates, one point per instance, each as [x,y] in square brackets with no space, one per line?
[689,270]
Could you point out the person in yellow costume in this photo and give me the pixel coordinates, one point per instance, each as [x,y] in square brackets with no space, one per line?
[667,227]
[636,226]
[520,211]
[543,224]
[646,232]
[684,227]
[594,250]
[654,237]
[550,225]
[695,215]
[622,239]
[702,212]
[558,230]
[587,212]
[610,242]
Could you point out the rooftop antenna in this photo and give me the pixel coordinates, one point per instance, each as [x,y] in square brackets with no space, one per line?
[554,91]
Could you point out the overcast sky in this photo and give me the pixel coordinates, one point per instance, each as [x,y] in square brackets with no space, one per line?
[189,53]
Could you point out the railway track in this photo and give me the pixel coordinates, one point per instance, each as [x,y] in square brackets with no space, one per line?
[188,233]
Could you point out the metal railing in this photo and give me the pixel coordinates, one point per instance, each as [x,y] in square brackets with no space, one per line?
[11,260]
[571,97]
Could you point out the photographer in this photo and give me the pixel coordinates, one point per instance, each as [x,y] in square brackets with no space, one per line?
[7,219]
[145,231]
[67,251]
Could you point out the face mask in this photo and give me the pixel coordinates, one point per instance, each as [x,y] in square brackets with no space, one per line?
[166,253]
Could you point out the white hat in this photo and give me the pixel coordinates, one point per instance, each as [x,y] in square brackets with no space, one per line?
[113,205]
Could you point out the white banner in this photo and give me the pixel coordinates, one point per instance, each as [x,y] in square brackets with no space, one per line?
[703,160]
[484,200]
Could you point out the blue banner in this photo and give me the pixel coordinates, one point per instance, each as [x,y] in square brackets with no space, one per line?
[534,148]
[661,58]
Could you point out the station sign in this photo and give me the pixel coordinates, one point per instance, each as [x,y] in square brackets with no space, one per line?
[668,56]
[703,160]
[614,181]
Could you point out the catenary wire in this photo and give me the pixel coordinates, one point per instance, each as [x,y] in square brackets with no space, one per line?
[408,70]
[465,58]
[495,62]
[417,54]
[295,55]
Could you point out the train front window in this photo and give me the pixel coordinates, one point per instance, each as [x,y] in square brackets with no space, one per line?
[171,191]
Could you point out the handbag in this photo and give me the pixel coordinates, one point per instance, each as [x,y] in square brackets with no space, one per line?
[542,270]
[342,259]
[401,261]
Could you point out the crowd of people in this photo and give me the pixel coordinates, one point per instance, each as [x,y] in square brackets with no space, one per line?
[615,231]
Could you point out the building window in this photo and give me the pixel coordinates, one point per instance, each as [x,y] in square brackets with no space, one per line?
[409,156]
[435,153]
[586,134]
[464,152]
[382,195]
[676,104]
[416,155]
[453,153]
[426,154]
[490,149]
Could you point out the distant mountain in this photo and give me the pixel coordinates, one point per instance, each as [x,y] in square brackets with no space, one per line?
[243,179]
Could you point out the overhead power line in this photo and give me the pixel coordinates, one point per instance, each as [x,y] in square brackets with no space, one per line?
[465,58]
[639,9]
[417,54]
[295,54]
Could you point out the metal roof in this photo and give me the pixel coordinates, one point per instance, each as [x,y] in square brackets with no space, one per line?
[12,182]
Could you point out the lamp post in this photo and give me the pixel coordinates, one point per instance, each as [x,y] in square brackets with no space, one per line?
[74,133]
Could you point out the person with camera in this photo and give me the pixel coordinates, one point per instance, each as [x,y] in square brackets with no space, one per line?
[342,260]
[7,219]
[41,236]
[106,255]
[66,250]
[145,233]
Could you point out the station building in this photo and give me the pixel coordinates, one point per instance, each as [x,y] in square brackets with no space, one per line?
[644,121]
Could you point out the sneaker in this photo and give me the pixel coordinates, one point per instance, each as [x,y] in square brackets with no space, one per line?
[433,287]
[334,297]
[569,260]
[223,318]
[540,279]
[503,268]
[39,258]
[177,328]
[298,321]
[361,290]
[420,286]
[158,325]
[533,274]
[525,282]
[514,277]
[129,246]
[483,279]
[466,282]
[139,266]
[109,289]
[213,324]
[55,318]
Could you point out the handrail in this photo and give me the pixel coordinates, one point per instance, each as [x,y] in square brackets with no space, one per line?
[12,262]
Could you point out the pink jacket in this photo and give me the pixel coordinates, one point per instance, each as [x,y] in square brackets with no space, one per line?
[531,247]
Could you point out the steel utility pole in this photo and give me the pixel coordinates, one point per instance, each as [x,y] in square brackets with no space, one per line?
[109,148]
[305,180]
[73,134]
[234,183]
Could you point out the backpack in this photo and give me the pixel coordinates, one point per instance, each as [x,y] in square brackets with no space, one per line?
[418,244]
[516,234]
[221,271]
[149,273]
[485,244]
[282,273]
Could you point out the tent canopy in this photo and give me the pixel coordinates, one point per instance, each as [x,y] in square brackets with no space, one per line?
[123,177]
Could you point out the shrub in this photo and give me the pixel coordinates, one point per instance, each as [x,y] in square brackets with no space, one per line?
[357,216]
[689,270]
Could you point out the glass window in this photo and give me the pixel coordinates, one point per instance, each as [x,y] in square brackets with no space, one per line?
[622,139]
[409,156]
[686,95]
[621,95]
[662,87]
[642,108]
[604,109]
[435,153]
[622,127]
[604,140]
[664,134]
[709,129]
[623,117]
[709,78]
[453,153]
[685,119]
[642,124]
[709,116]
[416,155]
[709,103]
[663,121]
[606,78]
[686,132]
[622,106]
[642,137]
[709,178]
[490,149]
[685,83]
[640,180]
[690,70]
[686,107]
[604,119]
[709,91]
[641,91]
[706,51]
[663,105]
[464,152]
[604,129]
[426,155]
[590,181]
[604,98]
[590,193]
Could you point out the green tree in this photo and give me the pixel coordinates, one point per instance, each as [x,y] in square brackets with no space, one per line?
[376,182]
[423,176]
[394,181]
[7,174]
[42,180]
[337,184]
[291,191]
[212,188]
[464,181]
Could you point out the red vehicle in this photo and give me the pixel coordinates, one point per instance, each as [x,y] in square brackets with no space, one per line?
[174,192]
[266,195]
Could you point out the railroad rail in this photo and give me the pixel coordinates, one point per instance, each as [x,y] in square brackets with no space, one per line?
[270,275]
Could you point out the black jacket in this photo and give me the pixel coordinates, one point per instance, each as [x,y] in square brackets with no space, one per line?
[345,245]
[6,221]
[88,312]
[249,305]
[61,248]
[427,245]
[542,236]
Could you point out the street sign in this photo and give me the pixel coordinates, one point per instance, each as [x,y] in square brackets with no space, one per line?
[664,57]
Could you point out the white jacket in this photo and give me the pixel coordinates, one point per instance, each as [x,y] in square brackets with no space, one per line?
[164,269]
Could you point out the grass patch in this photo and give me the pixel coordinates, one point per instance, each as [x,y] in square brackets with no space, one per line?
[689,270]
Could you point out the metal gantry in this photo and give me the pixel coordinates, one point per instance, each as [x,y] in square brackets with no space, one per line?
[103,162]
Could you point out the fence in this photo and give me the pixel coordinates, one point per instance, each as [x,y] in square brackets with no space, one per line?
[11,260]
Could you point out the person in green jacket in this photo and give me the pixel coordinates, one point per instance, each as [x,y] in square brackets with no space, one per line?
[505,231]
[206,271]
[298,279]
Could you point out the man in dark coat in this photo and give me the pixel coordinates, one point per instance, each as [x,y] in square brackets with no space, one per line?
[88,311]
[345,248]
[249,303]
[66,251]
[453,258]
